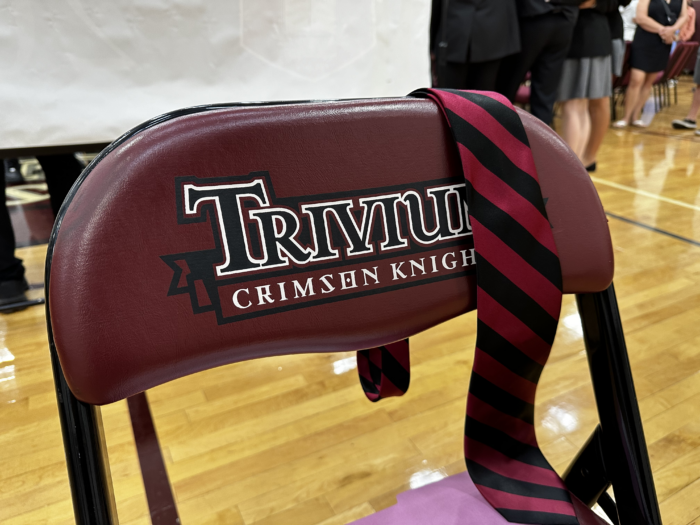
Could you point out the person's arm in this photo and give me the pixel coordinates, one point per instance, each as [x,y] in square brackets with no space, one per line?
[643,20]
[681,19]
[668,33]
[688,30]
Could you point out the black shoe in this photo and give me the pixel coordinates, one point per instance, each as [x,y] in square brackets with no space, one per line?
[13,174]
[12,292]
[686,123]
[591,167]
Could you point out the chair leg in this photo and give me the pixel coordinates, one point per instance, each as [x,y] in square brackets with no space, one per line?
[656,98]
[613,112]
[609,507]
[586,476]
[624,447]
[675,92]
[662,97]
[86,453]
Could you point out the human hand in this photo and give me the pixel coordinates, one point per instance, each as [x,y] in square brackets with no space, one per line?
[666,34]
[588,4]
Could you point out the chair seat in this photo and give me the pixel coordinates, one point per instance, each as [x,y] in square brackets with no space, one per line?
[451,501]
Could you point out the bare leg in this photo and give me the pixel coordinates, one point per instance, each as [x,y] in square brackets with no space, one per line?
[643,96]
[599,111]
[576,125]
[585,129]
[637,77]
[694,105]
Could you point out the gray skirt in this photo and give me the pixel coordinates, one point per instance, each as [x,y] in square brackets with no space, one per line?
[618,56]
[586,78]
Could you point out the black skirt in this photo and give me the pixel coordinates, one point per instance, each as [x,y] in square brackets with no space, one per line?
[649,53]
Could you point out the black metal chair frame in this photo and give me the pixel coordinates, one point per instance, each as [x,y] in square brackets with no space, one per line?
[615,454]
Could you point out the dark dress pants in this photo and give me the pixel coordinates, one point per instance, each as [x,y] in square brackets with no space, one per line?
[61,172]
[11,268]
[481,75]
[545,44]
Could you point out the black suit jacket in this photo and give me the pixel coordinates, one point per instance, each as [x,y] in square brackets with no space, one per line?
[529,8]
[592,37]
[617,28]
[477,30]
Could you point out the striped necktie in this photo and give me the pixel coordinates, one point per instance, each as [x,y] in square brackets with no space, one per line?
[518,304]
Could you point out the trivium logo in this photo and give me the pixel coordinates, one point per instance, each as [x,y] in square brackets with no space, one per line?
[276,229]
[267,254]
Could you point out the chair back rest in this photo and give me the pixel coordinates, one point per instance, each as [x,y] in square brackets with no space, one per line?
[220,234]
[678,59]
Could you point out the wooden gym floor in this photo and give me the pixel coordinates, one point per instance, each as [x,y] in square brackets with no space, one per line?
[293,440]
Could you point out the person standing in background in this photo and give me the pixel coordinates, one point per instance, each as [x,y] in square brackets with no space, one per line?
[586,83]
[470,38]
[630,26]
[61,171]
[657,23]
[13,175]
[546,29]
[617,33]
[688,30]
[690,121]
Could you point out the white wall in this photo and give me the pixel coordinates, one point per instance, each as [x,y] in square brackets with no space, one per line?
[83,71]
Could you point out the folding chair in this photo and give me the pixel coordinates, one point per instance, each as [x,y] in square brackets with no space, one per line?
[676,62]
[162,264]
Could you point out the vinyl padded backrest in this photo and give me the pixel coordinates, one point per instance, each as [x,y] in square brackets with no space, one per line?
[233,233]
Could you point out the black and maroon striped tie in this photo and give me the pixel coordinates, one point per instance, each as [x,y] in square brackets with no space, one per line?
[384,371]
[518,304]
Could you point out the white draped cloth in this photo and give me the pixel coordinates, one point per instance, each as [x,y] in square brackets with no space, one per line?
[86,71]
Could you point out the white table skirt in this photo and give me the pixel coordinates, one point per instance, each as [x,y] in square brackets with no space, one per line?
[86,71]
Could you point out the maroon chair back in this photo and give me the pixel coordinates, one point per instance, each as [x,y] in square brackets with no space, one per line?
[228,233]
[677,60]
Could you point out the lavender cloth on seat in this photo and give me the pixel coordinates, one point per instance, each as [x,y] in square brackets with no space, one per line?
[451,501]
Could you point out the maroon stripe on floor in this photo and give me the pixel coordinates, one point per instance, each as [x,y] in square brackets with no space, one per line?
[161,503]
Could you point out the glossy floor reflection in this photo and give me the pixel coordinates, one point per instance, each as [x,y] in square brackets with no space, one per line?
[292,440]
